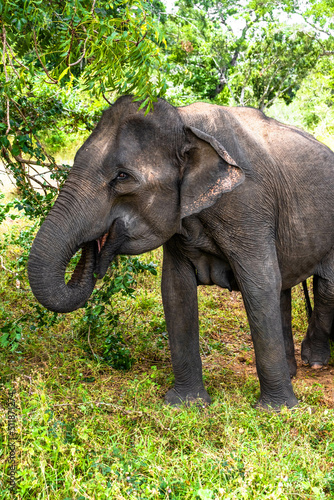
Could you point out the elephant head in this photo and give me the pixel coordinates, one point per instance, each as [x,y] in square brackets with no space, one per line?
[132,182]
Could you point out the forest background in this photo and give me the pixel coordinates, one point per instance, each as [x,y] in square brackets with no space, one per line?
[107,366]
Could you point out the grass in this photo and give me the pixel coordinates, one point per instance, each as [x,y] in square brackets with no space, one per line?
[87,431]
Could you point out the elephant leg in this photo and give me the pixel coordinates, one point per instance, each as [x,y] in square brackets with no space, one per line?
[315,346]
[260,284]
[179,296]
[287,331]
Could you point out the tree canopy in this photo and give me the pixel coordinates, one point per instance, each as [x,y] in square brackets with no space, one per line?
[244,52]
[59,59]
[63,62]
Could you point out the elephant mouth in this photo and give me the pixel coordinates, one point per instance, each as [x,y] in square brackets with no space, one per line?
[97,254]
[101,242]
[106,251]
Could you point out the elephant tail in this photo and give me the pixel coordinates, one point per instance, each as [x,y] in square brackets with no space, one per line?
[308,305]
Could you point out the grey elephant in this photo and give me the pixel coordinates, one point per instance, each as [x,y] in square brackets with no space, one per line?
[237,199]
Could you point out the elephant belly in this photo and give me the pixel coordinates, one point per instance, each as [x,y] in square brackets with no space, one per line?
[211,270]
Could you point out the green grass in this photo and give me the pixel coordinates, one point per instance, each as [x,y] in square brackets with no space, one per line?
[88,431]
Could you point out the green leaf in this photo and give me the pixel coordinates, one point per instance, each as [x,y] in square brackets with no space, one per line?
[63,73]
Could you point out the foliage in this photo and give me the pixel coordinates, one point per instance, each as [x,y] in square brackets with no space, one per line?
[312,106]
[61,60]
[56,56]
[13,326]
[100,318]
[274,65]
[109,44]
[239,52]
[5,209]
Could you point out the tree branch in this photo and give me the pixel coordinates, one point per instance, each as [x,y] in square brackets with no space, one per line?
[80,58]
[4,53]
[30,178]
[13,56]
[71,42]
[268,86]
[316,27]
[93,7]
[33,162]
[7,117]
[3,266]
[40,60]
[276,96]
[104,97]
[30,128]
[12,66]
[326,53]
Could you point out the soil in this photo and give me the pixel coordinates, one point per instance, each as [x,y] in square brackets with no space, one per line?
[316,382]
[310,385]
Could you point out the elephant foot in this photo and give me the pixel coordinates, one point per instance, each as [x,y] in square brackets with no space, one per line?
[314,366]
[179,397]
[317,366]
[265,405]
[275,402]
[316,355]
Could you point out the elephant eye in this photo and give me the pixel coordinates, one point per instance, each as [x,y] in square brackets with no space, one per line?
[122,176]
[121,181]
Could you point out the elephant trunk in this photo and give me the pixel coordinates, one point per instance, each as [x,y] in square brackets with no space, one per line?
[58,239]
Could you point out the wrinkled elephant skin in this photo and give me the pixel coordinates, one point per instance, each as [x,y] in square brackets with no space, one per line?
[237,199]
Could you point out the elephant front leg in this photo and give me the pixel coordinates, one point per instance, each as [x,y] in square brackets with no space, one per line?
[261,290]
[179,295]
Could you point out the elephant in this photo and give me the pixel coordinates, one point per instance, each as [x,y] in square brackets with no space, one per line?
[237,199]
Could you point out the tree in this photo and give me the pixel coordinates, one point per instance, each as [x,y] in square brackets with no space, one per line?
[57,53]
[244,51]
[61,63]
[274,65]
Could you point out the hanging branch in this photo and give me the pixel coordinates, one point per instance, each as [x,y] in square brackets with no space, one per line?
[31,131]
[92,9]
[40,60]
[143,38]
[15,59]
[316,27]
[104,97]
[7,117]
[71,42]
[5,45]
[80,58]
[6,76]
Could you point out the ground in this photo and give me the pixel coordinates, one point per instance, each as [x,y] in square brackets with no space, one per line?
[239,358]
[86,430]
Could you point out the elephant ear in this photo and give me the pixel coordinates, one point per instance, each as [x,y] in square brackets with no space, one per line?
[209,172]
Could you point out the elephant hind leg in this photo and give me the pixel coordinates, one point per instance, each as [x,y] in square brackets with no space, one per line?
[315,346]
[287,331]
[331,336]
